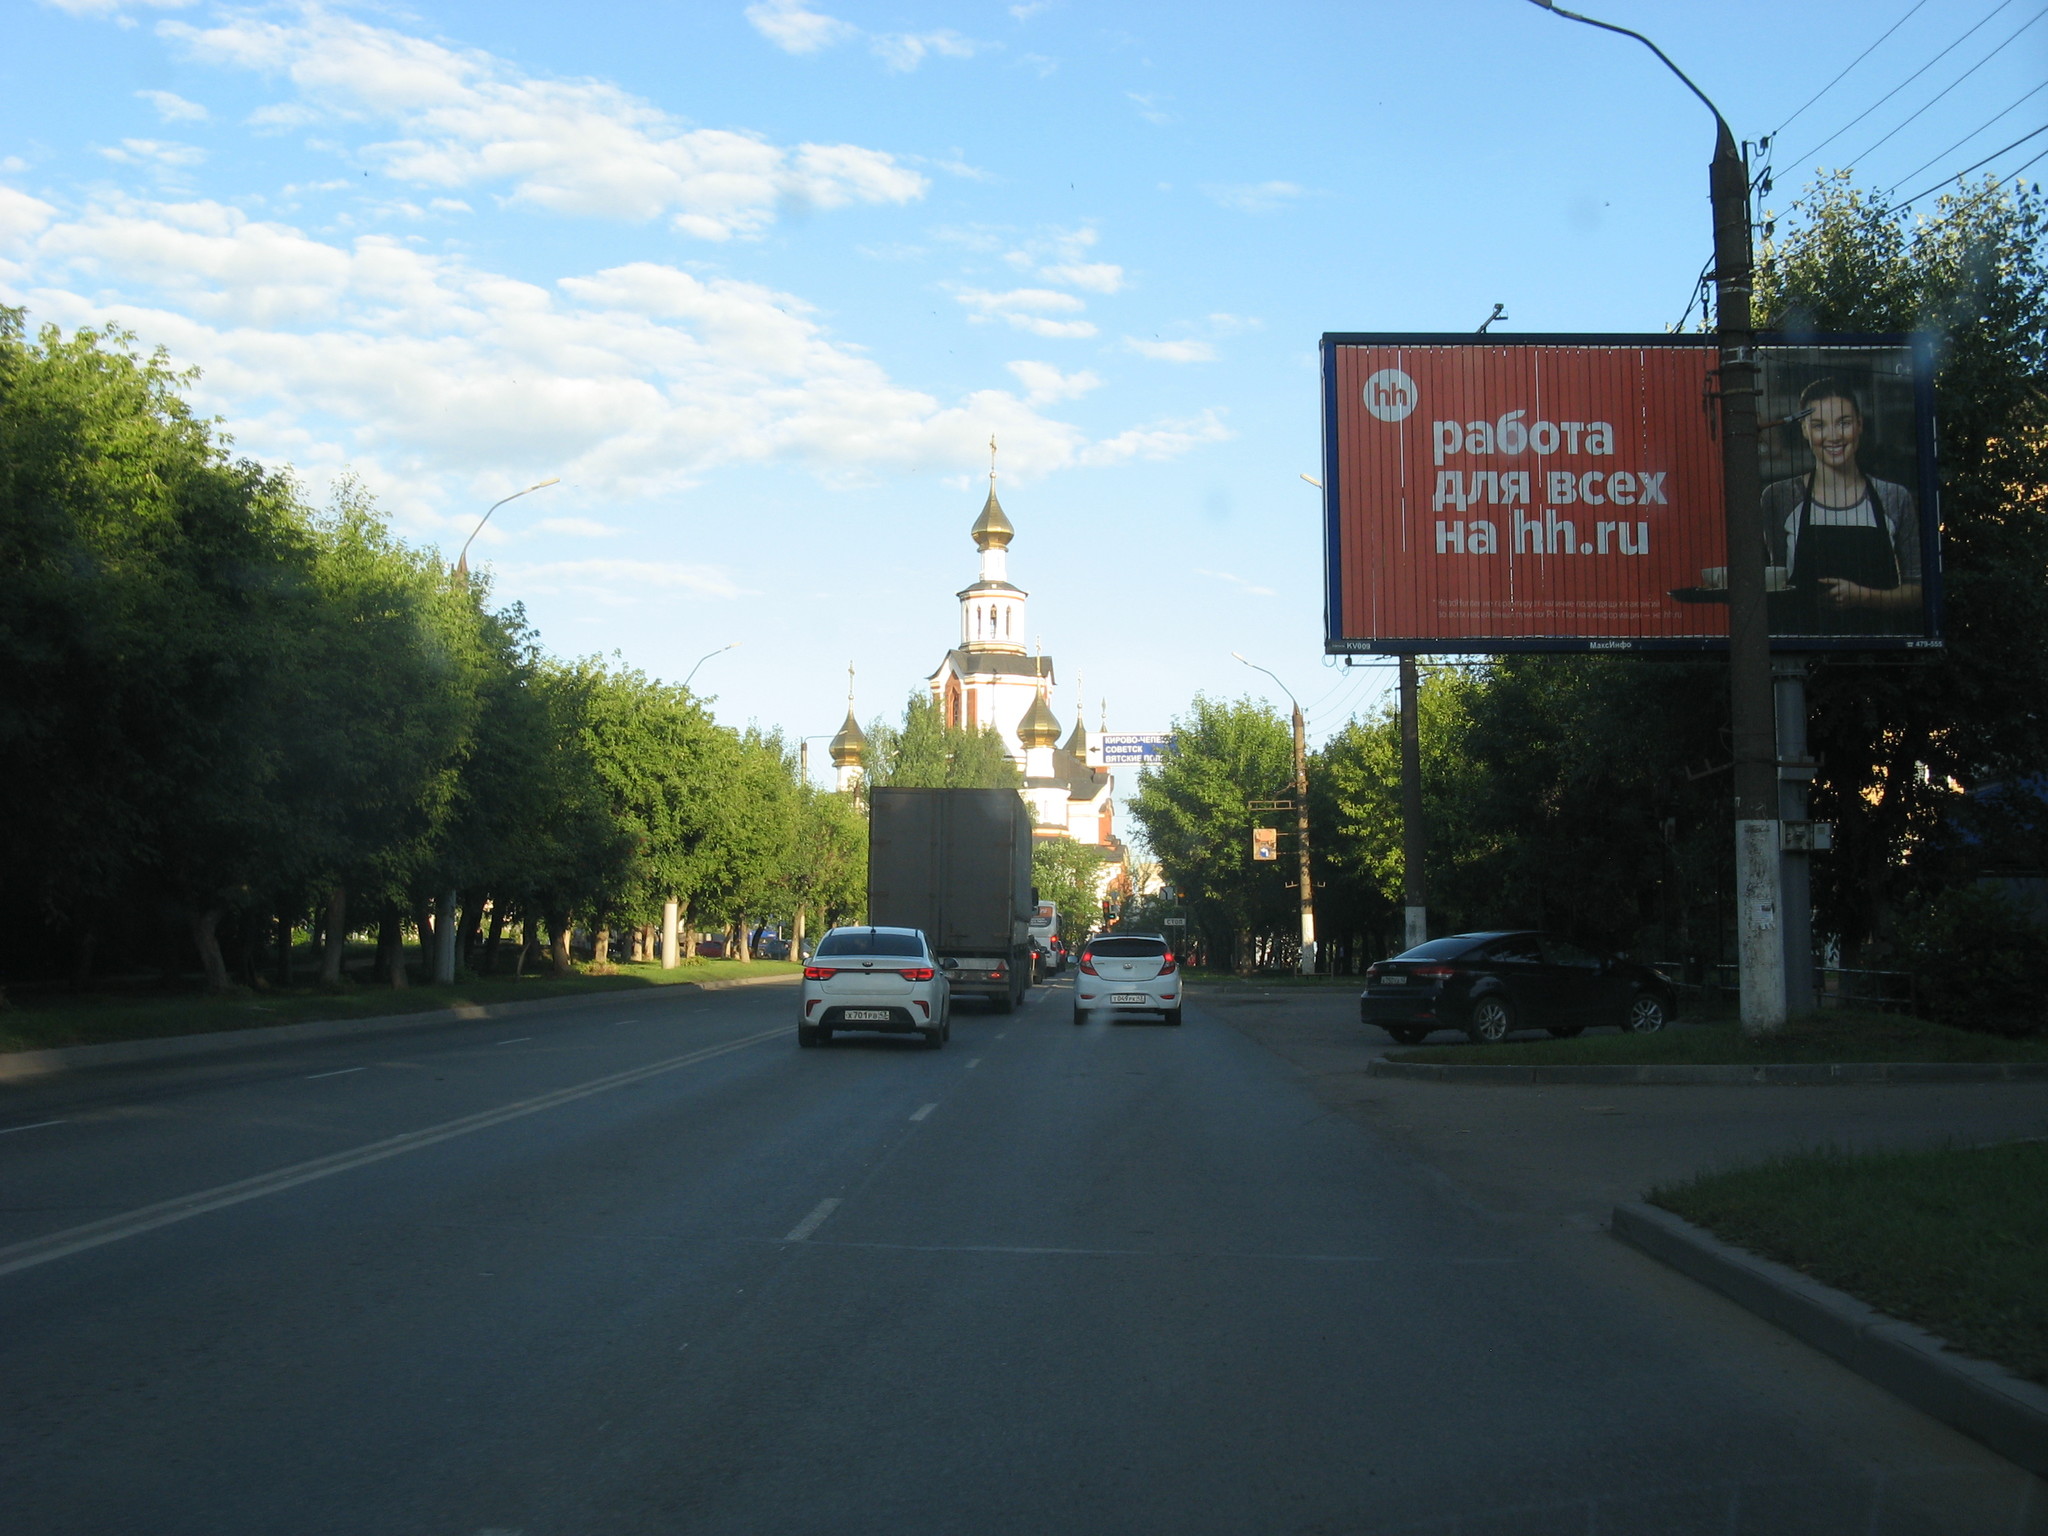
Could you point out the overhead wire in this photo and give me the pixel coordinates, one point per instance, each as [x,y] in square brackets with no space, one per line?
[1959,143]
[1888,95]
[1958,175]
[1866,53]
[1959,79]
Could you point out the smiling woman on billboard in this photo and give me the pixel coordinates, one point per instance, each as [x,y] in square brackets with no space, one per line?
[1848,541]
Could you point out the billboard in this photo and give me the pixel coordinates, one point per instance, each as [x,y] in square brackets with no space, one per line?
[1134,746]
[1564,493]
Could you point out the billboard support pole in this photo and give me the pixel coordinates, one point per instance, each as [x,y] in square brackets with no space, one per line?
[1308,900]
[1795,771]
[1414,835]
[1760,939]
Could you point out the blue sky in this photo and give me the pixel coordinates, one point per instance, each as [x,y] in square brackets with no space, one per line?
[758,281]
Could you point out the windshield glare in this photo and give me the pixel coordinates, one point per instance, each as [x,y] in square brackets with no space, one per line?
[865,941]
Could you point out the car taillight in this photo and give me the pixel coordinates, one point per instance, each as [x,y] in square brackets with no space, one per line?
[1088,964]
[1436,971]
[916,973]
[820,972]
[1167,964]
[1373,970]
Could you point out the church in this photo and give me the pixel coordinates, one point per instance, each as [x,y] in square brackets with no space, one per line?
[991,679]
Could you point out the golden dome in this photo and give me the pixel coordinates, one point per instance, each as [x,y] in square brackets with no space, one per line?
[1040,727]
[992,530]
[849,744]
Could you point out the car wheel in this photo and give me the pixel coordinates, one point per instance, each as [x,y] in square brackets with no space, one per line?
[807,1035]
[824,1034]
[934,1039]
[1646,1015]
[1007,1003]
[1491,1021]
[1402,1036]
[1173,1017]
[1080,1015]
[1565,1031]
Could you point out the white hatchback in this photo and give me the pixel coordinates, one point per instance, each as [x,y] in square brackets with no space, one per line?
[875,978]
[1127,972]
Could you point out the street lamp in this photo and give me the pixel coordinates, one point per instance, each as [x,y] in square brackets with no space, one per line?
[462,560]
[1758,895]
[1307,964]
[706,657]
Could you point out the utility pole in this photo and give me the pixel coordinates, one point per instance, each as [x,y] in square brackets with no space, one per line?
[1307,963]
[1414,834]
[1760,940]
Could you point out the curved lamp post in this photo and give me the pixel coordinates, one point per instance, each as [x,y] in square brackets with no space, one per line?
[1307,963]
[1761,936]
[462,560]
[706,657]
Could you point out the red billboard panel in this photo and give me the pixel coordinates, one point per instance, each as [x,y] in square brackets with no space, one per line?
[1565,493]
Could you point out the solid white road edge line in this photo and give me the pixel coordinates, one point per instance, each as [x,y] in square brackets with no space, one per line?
[57,1245]
[803,1229]
[920,1114]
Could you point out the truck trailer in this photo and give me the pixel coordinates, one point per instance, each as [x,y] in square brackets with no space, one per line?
[956,863]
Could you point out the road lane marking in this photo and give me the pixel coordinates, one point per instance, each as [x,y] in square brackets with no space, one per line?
[113,1229]
[802,1231]
[925,1111]
[516,1040]
[34,1126]
[973,1064]
[338,1072]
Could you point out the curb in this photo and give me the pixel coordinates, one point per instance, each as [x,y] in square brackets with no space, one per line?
[1792,1074]
[19,1066]
[1984,1401]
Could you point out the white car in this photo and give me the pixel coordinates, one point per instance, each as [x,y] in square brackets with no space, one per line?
[875,978]
[1127,973]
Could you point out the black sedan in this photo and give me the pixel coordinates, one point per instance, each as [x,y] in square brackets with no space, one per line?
[1491,984]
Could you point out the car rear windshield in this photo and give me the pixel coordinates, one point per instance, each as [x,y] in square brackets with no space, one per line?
[1439,949]
[876,943]
[1124,949]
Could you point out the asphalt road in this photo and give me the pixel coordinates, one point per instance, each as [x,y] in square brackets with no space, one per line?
[652,1269]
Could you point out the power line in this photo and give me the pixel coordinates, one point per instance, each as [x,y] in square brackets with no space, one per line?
[1866,53]
[1959,79]
[2015,144]
[1959,143]
[1888,95]
[2032,163]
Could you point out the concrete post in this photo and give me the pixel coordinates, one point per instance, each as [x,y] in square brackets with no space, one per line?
[671,948]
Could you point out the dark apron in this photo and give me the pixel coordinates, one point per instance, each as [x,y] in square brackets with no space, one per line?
[1862,555]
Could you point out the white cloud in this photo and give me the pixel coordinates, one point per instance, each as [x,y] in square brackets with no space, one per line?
[578,527]
[1230,325]
[1152,108]
[438,378]
[1095,276]
[1185,351]
[618,582]
[1043,383]
[161,153]
[1239,581]
[1030,309]
[1029,9]
[114,7]
[794,28]
[173,108]
[904,51]
[582,147]
[1259,197]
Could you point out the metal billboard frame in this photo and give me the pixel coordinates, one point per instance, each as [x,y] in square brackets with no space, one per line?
[1920,344]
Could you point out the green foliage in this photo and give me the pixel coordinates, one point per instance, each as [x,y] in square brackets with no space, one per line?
[1976,960]
[1193,807]
[1065,873]
[925,753]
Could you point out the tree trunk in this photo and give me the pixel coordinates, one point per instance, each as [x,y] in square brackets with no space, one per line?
[601,941]
[206,938]
[560,935]
[637,942]
[391,945]
[744,930]
[337,937]
[497,937]
[526,947]
[472,922]
[287,920]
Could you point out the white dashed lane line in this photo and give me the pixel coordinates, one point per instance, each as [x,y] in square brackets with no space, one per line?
[974,1063]
[35,1125]
[803,1229]
[338,1072]
[516,1040]
[925,1111]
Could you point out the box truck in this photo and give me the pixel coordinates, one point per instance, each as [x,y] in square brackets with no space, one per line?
[956,863]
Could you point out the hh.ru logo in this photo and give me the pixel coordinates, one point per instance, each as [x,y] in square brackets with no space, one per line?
[1390,395]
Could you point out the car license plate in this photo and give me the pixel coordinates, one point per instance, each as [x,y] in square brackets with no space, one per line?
[864,1014]
[1129,997]
[1393,981]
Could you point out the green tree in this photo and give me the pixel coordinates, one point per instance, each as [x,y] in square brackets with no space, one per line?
[1067,874]
[925,753]
[1193,807]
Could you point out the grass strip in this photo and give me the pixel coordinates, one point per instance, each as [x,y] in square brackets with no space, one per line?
[88,1019]
[1954,1240]
[1837,1035]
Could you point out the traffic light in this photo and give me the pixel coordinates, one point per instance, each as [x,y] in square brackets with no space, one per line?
[1265,845]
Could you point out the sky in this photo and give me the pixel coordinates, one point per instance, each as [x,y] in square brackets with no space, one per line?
[759,281]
